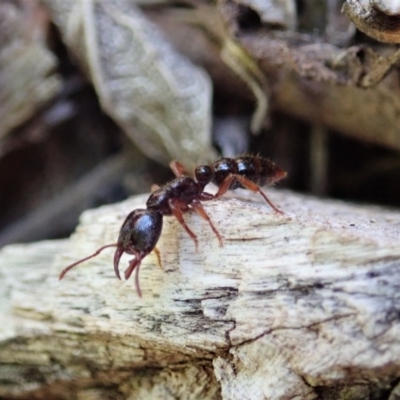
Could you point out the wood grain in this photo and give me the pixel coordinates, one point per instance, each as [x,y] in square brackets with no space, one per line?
[291,307]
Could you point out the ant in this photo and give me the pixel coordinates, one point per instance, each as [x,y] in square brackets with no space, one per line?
[248,172]
[142,228]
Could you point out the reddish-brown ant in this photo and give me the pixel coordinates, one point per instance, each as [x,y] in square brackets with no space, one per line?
[142,228]
[248,172]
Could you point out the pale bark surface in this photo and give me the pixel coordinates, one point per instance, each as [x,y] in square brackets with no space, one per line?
[299,306]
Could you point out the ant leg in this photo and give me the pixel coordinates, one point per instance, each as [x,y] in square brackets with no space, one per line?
[255,188]
[225,185]
[204,196]
[249,185]
[139,292]
[177,206]
[198,207]
[158,254]
[177,168]
[134,264]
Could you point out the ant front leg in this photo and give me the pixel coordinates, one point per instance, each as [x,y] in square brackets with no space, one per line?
[198,207]
[178,169]
[246,183]
[177,206]
[135,264]
[158,255]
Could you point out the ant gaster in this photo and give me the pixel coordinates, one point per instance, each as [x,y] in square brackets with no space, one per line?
[142,228]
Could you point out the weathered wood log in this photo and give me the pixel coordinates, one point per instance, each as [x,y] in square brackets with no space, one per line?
[300,306]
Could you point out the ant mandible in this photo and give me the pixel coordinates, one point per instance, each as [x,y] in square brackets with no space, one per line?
[142,228]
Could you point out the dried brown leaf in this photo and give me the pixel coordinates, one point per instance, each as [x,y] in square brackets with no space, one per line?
[157,96]
[27,80]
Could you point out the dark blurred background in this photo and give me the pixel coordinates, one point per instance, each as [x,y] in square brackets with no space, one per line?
[68,155]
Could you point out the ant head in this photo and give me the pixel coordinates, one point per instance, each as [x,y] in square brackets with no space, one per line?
[204,174]
[139,234]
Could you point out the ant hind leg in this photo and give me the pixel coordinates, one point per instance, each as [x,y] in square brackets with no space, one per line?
[225,185]
[246,183]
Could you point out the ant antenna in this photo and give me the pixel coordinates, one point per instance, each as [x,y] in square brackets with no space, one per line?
[98,251]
